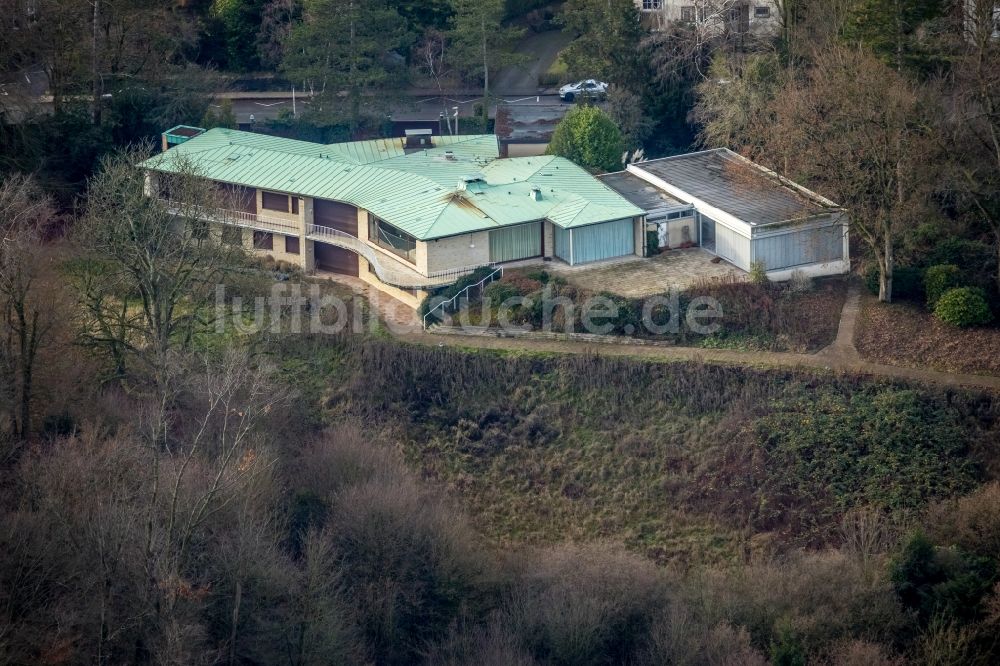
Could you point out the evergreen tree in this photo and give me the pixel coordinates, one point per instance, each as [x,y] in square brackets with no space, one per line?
[590,138]
[607,44]
[890,29]
[481,43]
[342,53]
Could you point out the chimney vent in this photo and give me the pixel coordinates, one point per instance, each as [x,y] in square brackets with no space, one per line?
[536,194]
[419,138]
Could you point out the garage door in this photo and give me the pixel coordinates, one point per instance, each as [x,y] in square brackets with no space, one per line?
[518,242]
[336,215]
[335,259]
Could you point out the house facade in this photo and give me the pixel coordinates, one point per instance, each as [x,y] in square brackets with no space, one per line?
[739,211]
[406,215]
[714,17]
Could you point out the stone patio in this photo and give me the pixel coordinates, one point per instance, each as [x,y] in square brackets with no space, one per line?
[637,278]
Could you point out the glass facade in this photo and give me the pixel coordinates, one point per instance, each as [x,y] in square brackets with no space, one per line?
[518,242]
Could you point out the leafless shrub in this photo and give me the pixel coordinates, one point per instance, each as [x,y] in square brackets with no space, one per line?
[408,562]
[678,637]
[946,643]
[824,598]
[861,653]
[866,535]
[972,522]
[585,604]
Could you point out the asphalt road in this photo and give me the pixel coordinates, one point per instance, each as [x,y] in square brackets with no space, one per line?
[418,108]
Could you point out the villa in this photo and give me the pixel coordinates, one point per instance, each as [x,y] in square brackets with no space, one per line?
[405,214]
[411,214]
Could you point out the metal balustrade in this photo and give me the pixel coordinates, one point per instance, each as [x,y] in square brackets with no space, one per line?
[235,218]
[386,269]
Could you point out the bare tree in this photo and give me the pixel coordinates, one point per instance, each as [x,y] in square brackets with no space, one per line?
[26,316]
[858,131]
[152,265]
[976,121]
[429,54]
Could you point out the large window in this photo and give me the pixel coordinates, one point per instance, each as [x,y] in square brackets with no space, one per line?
[650,5]
[263,240]
[292,244]
[518,242]
[392,239]
[274,201]
[687,14]
[762,12]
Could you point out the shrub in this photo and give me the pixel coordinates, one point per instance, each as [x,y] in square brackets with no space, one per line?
[963,306]
[973,257]
[799,282]
[499,292]
[971,522]
[586,605]
[450,291]
[939,279]
[940,583]
[907,282]
[758,273]
[408,564]
[803,601]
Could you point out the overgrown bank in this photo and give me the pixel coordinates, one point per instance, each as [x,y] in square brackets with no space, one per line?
[682,462]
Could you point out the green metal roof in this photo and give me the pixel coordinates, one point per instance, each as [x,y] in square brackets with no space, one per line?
[416,190]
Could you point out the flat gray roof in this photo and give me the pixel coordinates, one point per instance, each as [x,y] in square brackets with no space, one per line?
[643,194]
[737,186]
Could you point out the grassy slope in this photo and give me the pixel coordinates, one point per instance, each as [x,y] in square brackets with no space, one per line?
[682,462]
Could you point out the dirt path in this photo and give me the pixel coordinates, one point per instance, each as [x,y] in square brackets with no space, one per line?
[842,349]
[840,357]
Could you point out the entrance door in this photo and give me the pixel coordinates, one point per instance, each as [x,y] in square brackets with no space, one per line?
[335,259]
[708,233]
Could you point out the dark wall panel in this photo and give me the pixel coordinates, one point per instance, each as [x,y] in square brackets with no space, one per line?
[336,215]
[335,259]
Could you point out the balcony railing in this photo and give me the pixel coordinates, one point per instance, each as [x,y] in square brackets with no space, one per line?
[236,218]
[389,271]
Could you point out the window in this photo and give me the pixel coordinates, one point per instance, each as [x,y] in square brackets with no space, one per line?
[232,235]
[650,5]
[762,12]
[295,205]
[274,201]
[292,244]
[687,14]
[263,240]
[392,239]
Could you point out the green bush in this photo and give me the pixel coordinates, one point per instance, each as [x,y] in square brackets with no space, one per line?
[963,306]
[973,257]
[589,137]
[907,282]
[758,273]
[937,582]
[498,292]
[939,279]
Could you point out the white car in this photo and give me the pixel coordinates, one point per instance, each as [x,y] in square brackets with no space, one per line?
[588,88]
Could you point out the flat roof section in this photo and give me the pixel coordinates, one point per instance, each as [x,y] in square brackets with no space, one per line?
[734,184]
[640,192]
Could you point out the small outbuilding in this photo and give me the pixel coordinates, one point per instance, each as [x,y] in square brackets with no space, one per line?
[740,211]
